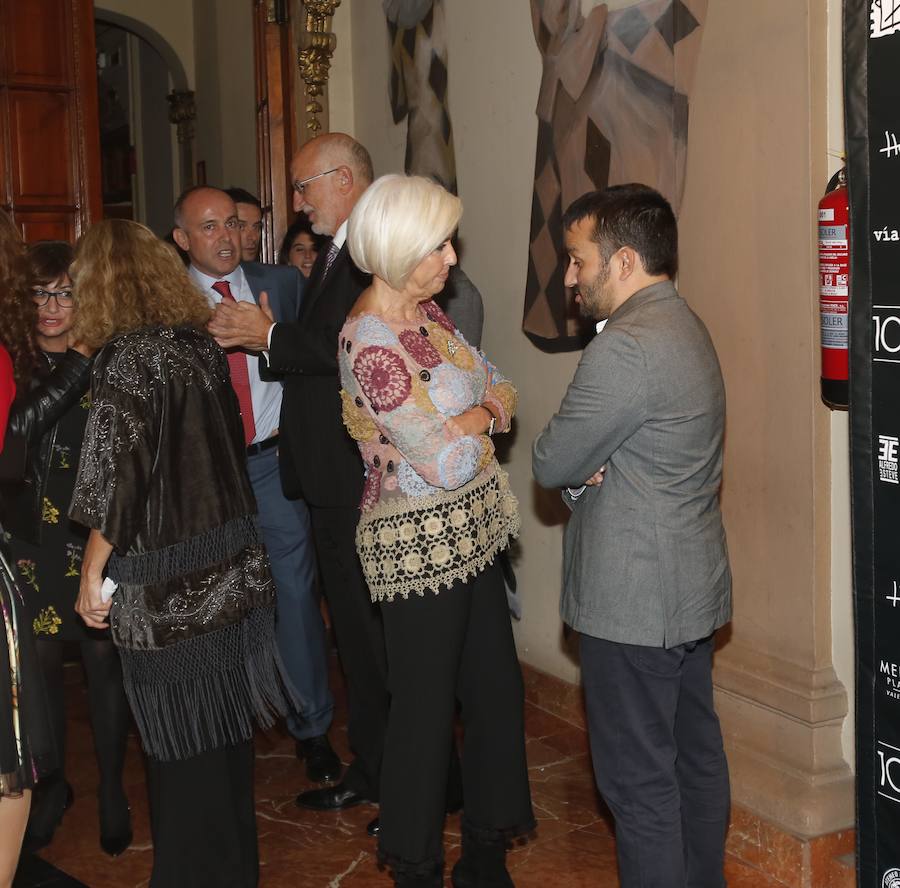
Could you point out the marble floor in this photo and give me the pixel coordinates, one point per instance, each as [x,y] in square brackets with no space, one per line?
[573,846]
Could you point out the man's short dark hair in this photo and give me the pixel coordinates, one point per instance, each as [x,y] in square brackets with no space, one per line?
[635,216]
[238,195]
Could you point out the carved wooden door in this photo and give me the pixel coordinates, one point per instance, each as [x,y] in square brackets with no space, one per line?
[49,137]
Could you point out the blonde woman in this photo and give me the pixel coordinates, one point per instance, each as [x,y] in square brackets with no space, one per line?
[436,512]
[163,486]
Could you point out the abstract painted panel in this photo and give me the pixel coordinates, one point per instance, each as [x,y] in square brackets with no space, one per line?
[612,108]
[419,86]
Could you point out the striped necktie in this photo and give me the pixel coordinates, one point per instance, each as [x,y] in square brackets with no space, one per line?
[333,250]
[240,375]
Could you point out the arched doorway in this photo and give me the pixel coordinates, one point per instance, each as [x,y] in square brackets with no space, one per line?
[145,160]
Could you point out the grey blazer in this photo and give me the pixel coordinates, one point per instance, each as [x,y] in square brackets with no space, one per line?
[645,558]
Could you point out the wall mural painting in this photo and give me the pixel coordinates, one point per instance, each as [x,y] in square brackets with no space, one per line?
[612,108]
[419,86]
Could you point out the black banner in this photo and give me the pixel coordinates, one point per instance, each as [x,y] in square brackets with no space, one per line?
[872,117]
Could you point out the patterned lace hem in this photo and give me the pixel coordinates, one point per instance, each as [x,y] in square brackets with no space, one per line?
[416,545]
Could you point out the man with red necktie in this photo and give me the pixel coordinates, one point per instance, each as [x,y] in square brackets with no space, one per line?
[207,228]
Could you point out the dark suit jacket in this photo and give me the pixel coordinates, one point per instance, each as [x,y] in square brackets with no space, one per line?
[284,285]
[319,460]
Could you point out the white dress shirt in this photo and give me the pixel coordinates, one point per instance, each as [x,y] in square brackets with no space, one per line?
[265,396]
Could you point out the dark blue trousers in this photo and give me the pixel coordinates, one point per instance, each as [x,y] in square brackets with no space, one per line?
[287,536]
[659,760]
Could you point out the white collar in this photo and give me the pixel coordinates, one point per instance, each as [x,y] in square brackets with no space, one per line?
[234,278]
[601,324]
[340,236]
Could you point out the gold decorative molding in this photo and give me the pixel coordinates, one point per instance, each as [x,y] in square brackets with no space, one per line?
[183,113]
[314,58]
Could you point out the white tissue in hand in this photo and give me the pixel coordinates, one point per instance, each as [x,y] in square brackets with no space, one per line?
[108,589]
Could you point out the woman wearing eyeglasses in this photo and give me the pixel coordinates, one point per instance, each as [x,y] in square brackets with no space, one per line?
[51,416]
[26,747]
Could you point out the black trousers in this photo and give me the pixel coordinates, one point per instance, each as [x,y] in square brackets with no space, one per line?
[457,644]
[360,641]
[659,760]
[203,820]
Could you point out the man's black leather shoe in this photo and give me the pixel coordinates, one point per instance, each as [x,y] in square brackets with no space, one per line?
[373,827]
[322,763]
[329,798]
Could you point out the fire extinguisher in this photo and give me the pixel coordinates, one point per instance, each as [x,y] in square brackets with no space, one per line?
[834,290]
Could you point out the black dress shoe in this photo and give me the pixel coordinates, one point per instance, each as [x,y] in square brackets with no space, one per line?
[322,763]
[373,827]
[329,798]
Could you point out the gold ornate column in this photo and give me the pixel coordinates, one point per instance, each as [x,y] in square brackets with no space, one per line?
[183,113]
[317,44]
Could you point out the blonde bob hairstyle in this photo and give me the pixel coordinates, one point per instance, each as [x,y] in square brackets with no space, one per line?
[126,278]
[397,222]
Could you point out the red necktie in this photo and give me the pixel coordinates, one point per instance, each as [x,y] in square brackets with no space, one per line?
[240,376]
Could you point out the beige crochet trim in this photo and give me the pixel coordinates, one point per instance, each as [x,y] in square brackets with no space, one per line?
[416,545]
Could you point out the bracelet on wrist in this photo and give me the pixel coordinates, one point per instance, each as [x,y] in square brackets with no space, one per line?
[492,423]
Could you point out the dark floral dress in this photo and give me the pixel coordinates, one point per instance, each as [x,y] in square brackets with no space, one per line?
[49,573]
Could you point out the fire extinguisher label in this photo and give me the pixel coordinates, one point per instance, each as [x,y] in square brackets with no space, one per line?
[835,328]
[833,284]
[826,214]
[834,236]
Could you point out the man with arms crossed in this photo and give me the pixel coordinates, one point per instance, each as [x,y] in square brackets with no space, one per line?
[637,447]
[208,229]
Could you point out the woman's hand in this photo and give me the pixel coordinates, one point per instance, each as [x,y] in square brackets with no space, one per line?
[475,421]
[89,604]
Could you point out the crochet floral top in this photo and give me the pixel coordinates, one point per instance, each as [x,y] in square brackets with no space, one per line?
[436,507]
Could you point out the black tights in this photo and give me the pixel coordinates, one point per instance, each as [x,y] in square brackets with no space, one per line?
[109,722]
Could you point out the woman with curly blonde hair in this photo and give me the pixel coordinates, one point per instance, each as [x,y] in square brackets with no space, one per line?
[125,281]
[162,483]
[26,747]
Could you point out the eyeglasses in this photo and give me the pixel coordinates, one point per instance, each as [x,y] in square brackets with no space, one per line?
[64,298]
[299,186]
